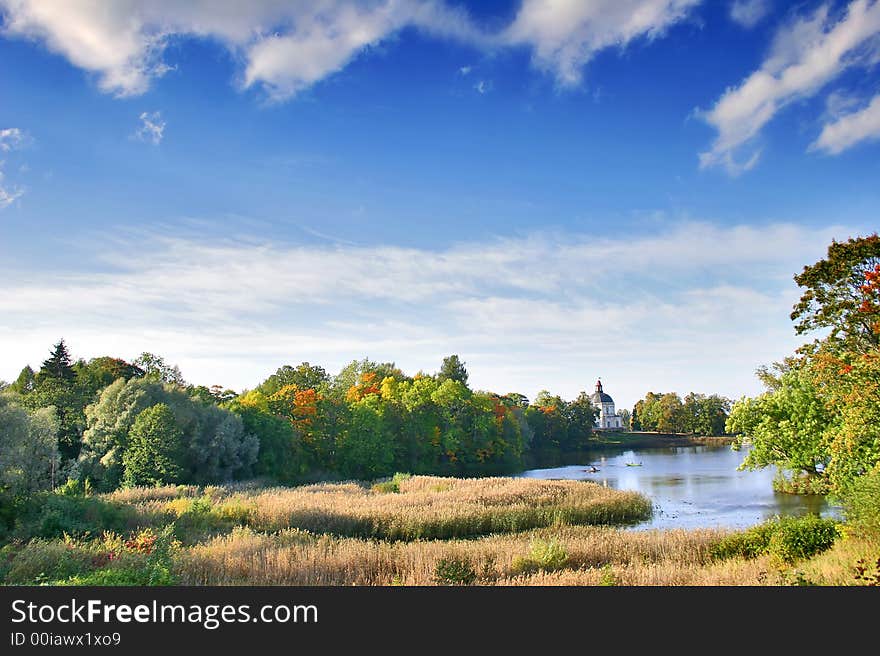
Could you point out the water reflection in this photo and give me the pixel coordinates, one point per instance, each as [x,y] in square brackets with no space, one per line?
[692,486]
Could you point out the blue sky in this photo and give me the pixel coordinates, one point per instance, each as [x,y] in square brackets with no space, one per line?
[556,190]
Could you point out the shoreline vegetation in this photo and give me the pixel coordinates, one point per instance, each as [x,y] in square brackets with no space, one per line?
[411,530]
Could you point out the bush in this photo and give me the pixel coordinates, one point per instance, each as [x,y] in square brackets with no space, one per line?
[787,539]
[748,544]
[454,571]
[861,503]
[391,485]
[543,556]
[50,515]
[41,561]
[797,538]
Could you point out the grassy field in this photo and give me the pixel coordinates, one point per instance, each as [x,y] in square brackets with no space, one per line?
[419,530]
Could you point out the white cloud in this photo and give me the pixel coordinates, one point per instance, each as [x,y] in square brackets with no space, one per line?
[8,195]
[284,46]
[152,128]
[696,306]
[482,87]
[565,34]
[464,70]
[749,13]
[10,139]
[850,129]
[806,55]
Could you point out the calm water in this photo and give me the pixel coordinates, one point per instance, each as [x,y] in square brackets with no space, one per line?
[693,486]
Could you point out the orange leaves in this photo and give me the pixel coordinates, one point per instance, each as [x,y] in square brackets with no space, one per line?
[367,385]
[298,406]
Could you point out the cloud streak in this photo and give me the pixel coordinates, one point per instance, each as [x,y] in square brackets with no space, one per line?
[806,55]
[693,304]
[566,34]
[10,139]
[850,129]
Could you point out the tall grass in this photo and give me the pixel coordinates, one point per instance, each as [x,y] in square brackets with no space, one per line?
[293,557]
[418,507]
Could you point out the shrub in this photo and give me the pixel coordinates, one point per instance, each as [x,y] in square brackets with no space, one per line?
[787,539]
[546,556]
[42,561]
[861,504]
[747,544]
[454,571]
[391,485]
[54,515]
[796,538]
[608,577]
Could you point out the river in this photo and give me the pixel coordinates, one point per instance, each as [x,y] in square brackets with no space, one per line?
[692,486]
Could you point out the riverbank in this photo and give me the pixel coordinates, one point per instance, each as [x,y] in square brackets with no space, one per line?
[404,531]
[647,439]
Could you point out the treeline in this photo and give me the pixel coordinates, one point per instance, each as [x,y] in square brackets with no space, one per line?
[107,423]
[668,413]
[819,419]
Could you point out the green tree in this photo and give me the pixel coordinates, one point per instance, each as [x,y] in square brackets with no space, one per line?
[580,416]
[304,376]
[155,448]
[216,446]
[59,364]
[97,373]
[29,458]
[453,369]
[786,427]
[155,368]
[838,297]
[705,415]
[55,385]
[25,382]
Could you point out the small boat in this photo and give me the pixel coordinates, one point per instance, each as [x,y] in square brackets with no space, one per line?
[633,464]
[592,469]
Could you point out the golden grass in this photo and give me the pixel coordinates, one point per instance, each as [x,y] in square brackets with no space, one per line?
[426,506]
[292,557]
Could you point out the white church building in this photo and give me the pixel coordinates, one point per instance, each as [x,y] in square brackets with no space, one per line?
[608,419]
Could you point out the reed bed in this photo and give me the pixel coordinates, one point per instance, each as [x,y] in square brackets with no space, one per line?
[426,507]
[431,507]
[293,557]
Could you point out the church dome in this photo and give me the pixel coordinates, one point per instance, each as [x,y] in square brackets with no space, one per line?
[598,397]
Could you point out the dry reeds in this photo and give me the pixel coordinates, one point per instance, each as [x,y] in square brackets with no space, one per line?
[297,558]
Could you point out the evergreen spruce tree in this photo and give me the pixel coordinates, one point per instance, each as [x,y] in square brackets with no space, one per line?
[59,364]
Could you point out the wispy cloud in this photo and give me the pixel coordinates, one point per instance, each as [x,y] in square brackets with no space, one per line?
[850,129]
[151,129]
[749,13]
[565,35]
[697,304]
[806,55]
[11,139]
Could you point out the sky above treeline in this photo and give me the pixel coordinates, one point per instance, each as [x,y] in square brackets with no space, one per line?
[554,190]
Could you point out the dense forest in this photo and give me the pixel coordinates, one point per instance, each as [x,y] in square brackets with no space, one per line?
[108,423]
